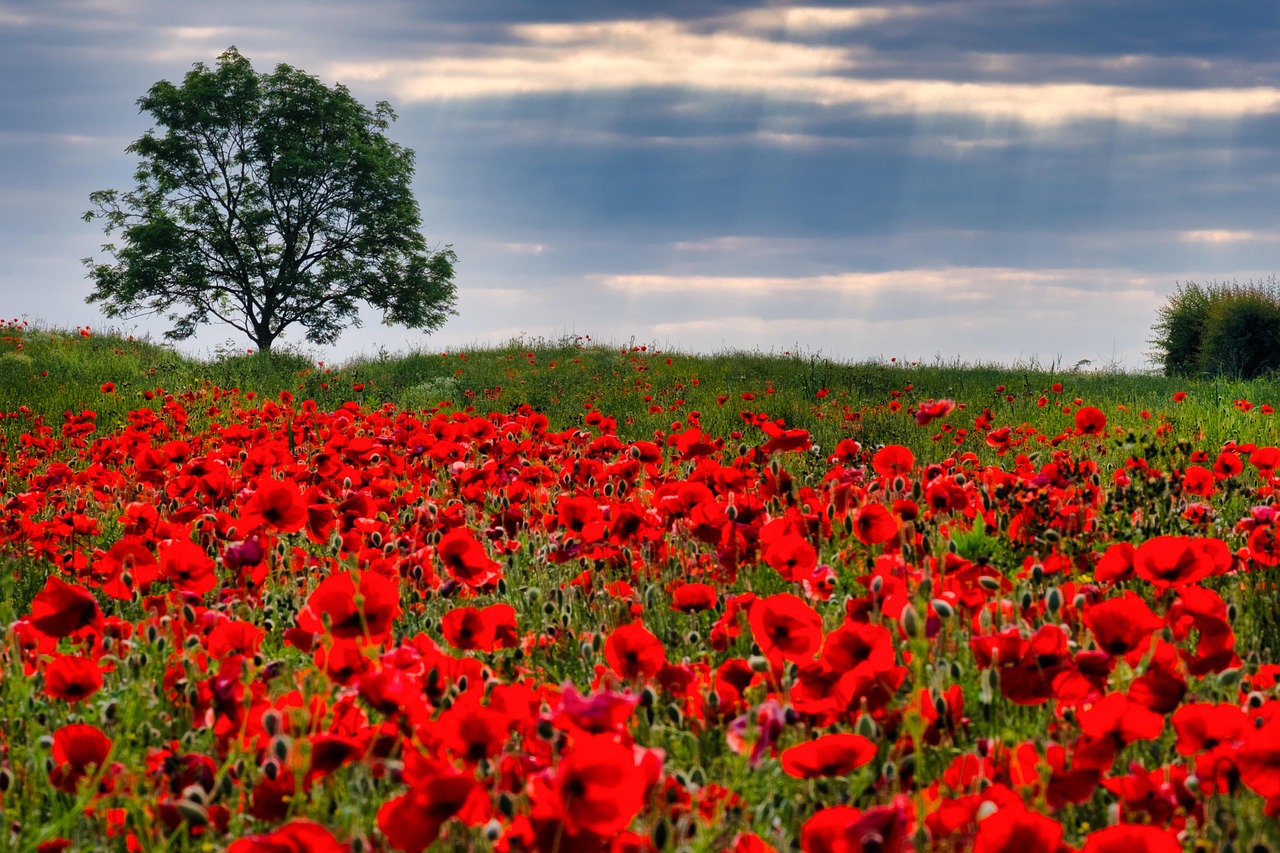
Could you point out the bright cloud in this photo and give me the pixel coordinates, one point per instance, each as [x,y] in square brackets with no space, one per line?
[735,55]
[1225,236]
[948,283]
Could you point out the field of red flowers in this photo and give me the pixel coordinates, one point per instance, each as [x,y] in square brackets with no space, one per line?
[262,625]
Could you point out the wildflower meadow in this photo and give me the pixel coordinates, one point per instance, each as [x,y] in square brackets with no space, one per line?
[570,597]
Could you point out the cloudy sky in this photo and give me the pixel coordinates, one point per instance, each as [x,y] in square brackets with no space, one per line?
[988,180]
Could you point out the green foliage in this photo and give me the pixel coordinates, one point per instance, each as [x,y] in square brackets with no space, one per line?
[264,201]
[1220,329]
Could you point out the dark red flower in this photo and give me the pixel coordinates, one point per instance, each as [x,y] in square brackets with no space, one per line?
[187,566]
[79,751]
[1258,759]
[693,597]
[1090,421]
[1122,625]
[1170,561]
[597,789]
[785,627]
[297,836]
[893,460]
[335,608]
[61,609]
[873,524]
[278,505]
[493,627]
[634,653]
[829,755]
[412,822]
[1016,829]
[72,678]
[466,560]
[1131,838]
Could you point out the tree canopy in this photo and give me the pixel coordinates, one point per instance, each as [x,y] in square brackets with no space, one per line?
[264,201]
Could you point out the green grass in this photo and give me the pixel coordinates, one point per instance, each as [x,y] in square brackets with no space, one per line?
[51,372]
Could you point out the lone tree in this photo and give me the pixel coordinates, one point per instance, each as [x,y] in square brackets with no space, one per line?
[264,201]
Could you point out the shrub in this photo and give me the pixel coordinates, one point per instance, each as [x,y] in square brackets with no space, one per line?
[1220,329]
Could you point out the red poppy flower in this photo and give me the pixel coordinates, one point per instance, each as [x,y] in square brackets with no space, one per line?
[466,560]
[785,627]
[781,439]
[61,609]
[873,524]
[829,755]
[333,607]
[1122,625]
[791,556]
[297,836]
[1170,561]
[693,597]
[1131,838]
[1116,563]
[1228,464]
[1016,829]
[1090,421]
[493,627]
[893,460]
[844,829]
[599,788]
[129,561]
[72,678]
[1265,459]
[1119,717]
[931,410]
[1258,759]
[412,822]
[1202,726]
[187,566]
[634,653]
[275,504]
[79,751]
[472,731]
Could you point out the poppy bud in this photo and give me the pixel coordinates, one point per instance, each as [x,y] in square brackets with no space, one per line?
[942,608]
[1078,601]
[989,583]
[271,720]
[866,727]
[659,834]
[195,794]
[193,813]
[889,771]
[545,730]
[1037,572]
[1052,536]
[6,779]
[986,810]
[758,663]
[1026,600]
[1229,678]
[910,621]
[877,584]
[506,805]
[1053,600]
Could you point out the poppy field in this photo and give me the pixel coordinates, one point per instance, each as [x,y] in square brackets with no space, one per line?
[587,598]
